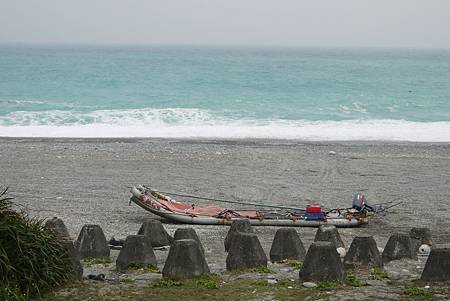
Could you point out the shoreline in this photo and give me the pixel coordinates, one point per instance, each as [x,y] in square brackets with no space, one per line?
[224,141]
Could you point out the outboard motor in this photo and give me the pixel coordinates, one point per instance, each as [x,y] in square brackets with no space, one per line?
[359,203]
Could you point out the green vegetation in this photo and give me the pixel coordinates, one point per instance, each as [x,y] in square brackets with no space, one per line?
[32,260]
[295,264]
[377,274]
[328,284]
[146,268]
[167,283]
[210,281]
[190,289]
[352,280]
[89,261]
[418,293]
[262,269]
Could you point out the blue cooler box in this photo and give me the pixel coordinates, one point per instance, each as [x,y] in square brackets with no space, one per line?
[315,216]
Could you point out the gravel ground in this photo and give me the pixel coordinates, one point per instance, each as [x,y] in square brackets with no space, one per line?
[87,181]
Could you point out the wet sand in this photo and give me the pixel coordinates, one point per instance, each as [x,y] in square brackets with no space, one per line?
[86,181]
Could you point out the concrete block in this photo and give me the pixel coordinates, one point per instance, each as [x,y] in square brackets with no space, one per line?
[287,245]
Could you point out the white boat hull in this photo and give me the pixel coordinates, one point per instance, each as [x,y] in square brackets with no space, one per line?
[208,220]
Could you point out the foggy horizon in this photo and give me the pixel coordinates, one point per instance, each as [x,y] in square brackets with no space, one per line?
[402,24]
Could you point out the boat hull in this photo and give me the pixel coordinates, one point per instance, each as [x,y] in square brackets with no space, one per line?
[208,220]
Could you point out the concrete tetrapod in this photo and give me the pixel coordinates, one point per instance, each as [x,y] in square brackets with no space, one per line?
[322,262]
[240,225]
[137,249]
[437,267]
[287,245]
[421,234]
[245,252]
[188,233]
[185,260]
[363,252]
[92,242]
[400,246]
[155,231]
[331,234]
[72,253]
[57,225]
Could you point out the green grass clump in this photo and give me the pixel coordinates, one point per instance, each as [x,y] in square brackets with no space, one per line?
[89,261]
[262,269]
[377,274]
[328,284]
[147,268]
[210,281]
[354,281]
[167,283]
[418,293]
[32,260]
[295,264]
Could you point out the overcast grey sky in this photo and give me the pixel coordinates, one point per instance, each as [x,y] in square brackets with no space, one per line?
[347,23]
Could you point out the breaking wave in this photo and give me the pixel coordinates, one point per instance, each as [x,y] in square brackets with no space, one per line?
[197,123]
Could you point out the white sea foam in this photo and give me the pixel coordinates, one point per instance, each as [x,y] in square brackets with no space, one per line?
[196,123]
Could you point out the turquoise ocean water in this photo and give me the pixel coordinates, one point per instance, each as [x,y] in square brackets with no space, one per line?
[307,94]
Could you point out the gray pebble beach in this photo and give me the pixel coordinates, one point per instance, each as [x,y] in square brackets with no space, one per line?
[86,181]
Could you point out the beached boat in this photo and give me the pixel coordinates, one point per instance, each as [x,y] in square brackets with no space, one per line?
[178,212]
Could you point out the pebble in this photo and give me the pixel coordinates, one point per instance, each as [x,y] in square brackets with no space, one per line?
[393,275]
[272,281]
[405,271]
[331,153]
[309,284]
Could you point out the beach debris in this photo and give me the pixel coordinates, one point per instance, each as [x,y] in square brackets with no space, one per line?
[98,277]
[137,249]
[287,245]
[188,233]
[437,267]
[92,242]
[156,232]
[424,249]
[321,263]
[72,252]
[245,252]
[341,251]
[116,244]
[308,284]
[240,225]
[421,234]
[330,234]
[363,251]
[58,227]
[400,246]
[332,153]
[185,260]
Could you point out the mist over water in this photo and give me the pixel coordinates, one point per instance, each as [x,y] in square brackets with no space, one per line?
[309,94]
